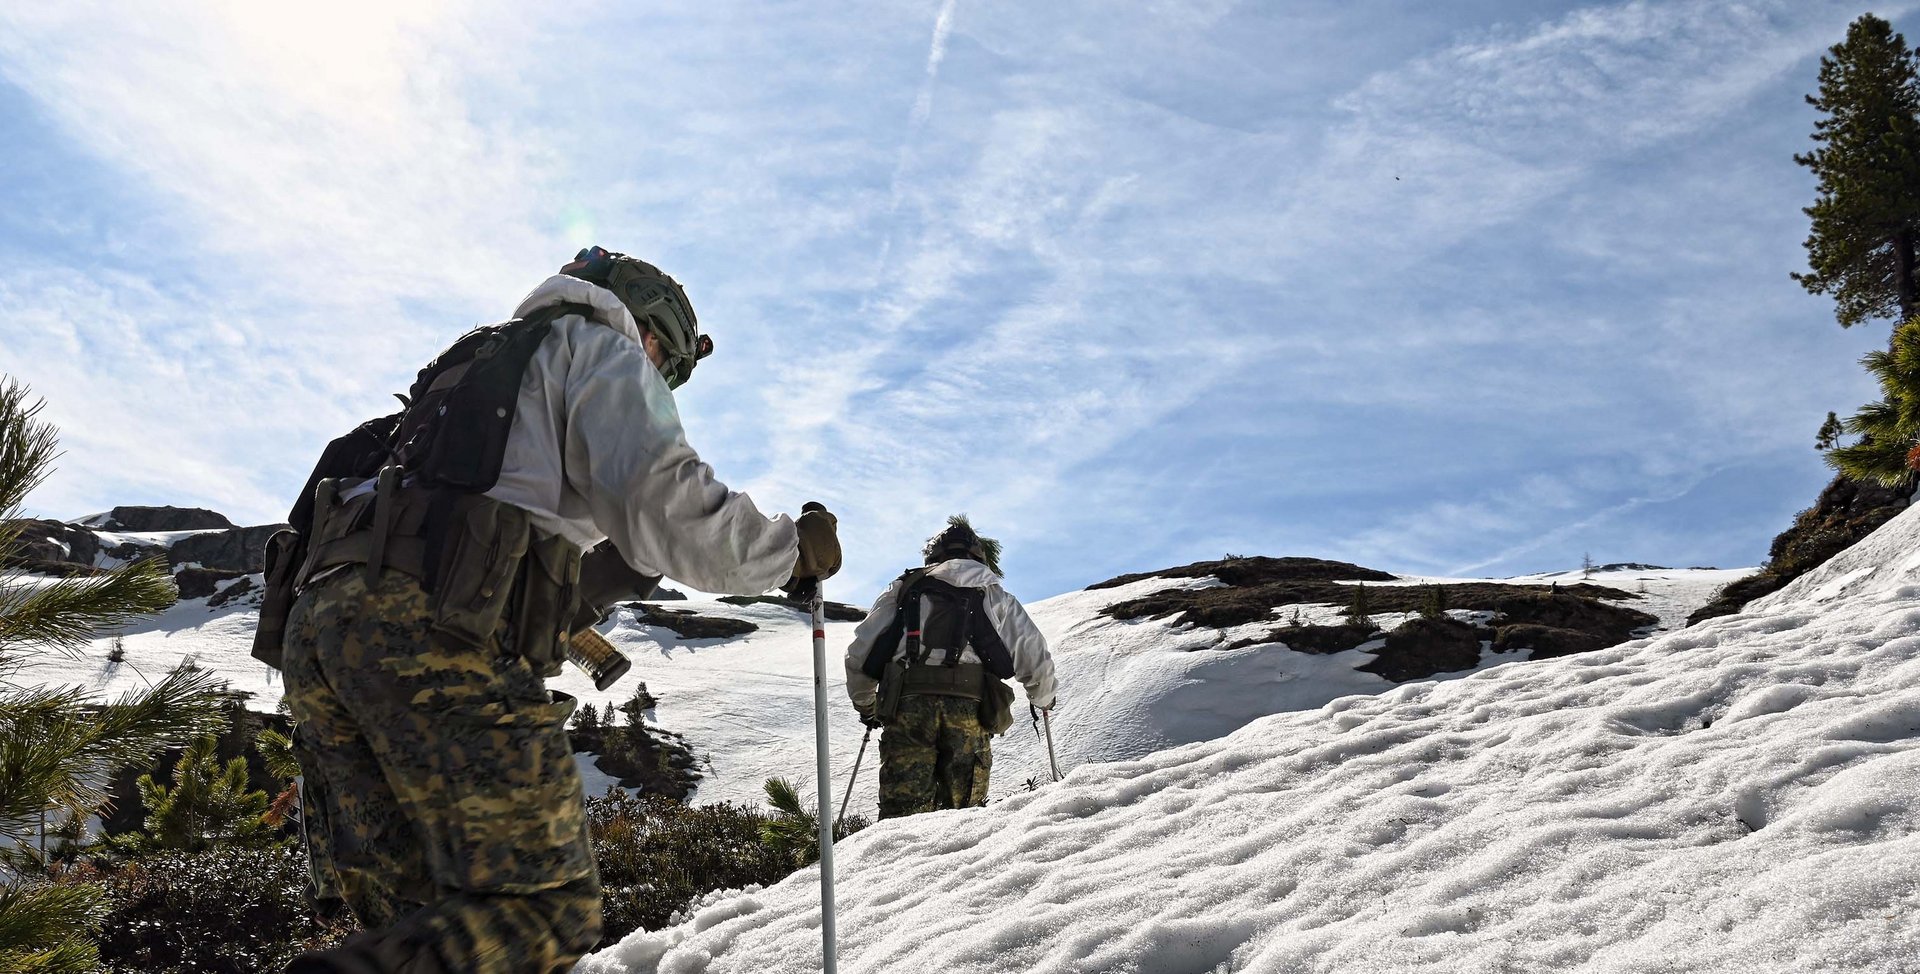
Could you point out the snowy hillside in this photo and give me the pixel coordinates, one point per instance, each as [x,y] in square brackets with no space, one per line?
[1738,797]
[743,704]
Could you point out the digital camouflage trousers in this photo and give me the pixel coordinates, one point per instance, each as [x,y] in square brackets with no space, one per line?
[934,754]
[442,801]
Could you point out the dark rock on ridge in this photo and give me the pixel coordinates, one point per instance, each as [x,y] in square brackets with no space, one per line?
[139,518]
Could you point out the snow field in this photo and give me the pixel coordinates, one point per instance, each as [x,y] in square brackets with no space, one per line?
[1739,796]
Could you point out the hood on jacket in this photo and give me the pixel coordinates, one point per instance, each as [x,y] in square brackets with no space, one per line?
[964,572]
[562,289]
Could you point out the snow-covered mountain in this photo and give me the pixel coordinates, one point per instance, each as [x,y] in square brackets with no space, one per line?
[743,703]
[1738,796]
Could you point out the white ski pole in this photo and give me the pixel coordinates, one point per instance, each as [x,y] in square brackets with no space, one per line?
[853,777]
[1046,717]
[828,947]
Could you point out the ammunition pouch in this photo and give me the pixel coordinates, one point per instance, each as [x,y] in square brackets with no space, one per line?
[492,581]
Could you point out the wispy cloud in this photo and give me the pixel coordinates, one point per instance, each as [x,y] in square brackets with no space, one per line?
[1453,295]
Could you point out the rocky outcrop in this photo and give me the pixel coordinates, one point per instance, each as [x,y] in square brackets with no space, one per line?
[52,546]
[835,611]
[234,550]
[137,518]
[689,624]
[198,583]
[1846,512]
[1554,620]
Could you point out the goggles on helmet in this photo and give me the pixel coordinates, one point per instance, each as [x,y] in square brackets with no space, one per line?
[657,303]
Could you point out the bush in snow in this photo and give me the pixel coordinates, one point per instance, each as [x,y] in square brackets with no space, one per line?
[657,856]
[229,911]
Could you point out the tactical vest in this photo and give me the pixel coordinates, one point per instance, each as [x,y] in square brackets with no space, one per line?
[406,492]
[952,620]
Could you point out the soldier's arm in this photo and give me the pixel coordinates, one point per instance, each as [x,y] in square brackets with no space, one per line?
[658,503]
[1032,664]
[861,688]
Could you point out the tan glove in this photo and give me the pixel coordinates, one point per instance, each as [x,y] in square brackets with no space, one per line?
[819,549]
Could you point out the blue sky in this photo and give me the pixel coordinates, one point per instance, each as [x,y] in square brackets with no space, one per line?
[1471,288]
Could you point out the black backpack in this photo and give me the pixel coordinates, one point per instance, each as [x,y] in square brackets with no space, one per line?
[451,437]
[955,620]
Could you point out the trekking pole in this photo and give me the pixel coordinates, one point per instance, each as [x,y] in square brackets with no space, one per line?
[853,777]
[1046,717]
[822,789]
[1048,743]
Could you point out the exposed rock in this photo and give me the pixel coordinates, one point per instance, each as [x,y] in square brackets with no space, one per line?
[1259,570]
[1846,512]
[233,591]
[1420,648]
[1229,606]
[137,518]
[234,550]
[1546,642]
[43,541]
[665,594]
[690,624]
[198,583]
[648,760]
[836,611]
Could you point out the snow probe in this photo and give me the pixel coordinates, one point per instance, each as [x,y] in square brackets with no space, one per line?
[853,777]
[828,950]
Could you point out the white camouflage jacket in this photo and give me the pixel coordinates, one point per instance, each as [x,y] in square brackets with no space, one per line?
[597,451]
[1032,664]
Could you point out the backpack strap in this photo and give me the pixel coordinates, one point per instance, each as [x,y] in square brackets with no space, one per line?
[882,651]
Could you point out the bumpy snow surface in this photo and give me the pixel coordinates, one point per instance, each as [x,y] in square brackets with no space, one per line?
[1741,796]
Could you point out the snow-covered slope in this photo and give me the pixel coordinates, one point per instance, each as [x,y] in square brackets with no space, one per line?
[1740,796]
[744,705]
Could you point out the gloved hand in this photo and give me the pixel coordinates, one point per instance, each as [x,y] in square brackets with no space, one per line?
[870,719]
[819,549]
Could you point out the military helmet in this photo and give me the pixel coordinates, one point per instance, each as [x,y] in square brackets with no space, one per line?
[657,302]
[959,540]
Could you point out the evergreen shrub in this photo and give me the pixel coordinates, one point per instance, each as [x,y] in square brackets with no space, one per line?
[227,911]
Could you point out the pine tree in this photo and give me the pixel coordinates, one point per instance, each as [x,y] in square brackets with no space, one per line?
[587,717]
[1829,434]
[1889,428]
[55,748]
[1434,606]
[209,805]
[1586,565]
[1360,611]
[1866,218]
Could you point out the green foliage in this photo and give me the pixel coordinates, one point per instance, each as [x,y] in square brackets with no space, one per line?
[1866,217]
[1360,610]
[657,855]
[587,717]
[276,752]
[1434,604]
[55,747]
[43,927]
[1890,427]
[208,806]
[227,911]
[1830,432]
